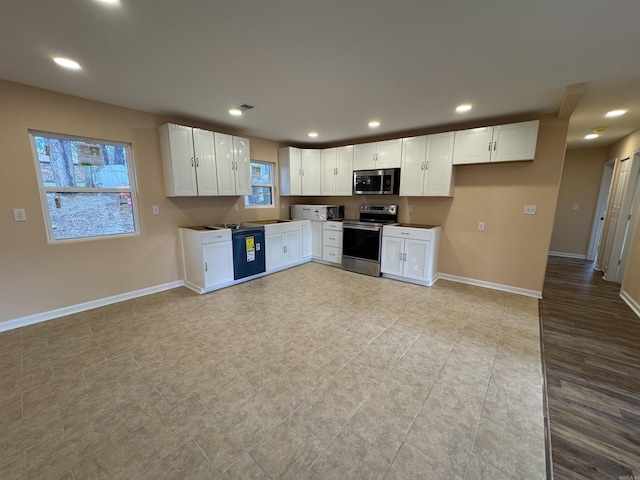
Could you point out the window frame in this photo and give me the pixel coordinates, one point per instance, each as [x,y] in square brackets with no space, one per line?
[44,190]
[271,185]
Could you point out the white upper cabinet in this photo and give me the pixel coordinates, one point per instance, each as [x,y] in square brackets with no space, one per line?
[188,161]
[299,171]
[502,143]
[233,165]
[378,155]
[336,171]
[427,168]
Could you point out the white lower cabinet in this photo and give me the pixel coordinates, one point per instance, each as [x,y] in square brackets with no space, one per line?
[410,254]
[332,242]
[316,238]
[283,245]
[307,239]
[207,257]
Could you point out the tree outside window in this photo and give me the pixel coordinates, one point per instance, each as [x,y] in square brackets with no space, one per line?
[261,185]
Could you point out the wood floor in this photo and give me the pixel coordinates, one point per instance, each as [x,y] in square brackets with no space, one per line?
[591,341]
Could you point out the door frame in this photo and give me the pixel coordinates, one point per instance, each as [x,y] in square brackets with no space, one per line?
[600,213]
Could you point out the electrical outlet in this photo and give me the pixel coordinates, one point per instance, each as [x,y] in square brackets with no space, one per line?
[19,215]
[284,205]
[529,209]
[481,226]
[575,206]
[235,207]
[155,209]
[410,208]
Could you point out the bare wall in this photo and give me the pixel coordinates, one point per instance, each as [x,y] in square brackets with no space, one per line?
[579,185]
[35,276]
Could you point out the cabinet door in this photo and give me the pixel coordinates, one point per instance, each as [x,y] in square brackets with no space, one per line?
[224,164]
[310,171]
[316,235]
[413,165]
[182,160]
[328,158]
[415,259]
[218,263]
[515,141]
[307,239]
[293,242]
[392,255]
[204,151]
[439,166]
[344,171]
[363,156]
[274,251]
[389,153]
[242,158]
[472,146]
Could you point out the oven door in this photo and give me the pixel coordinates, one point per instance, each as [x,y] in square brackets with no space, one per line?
[361,241]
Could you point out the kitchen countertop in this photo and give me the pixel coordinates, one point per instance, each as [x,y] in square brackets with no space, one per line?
[416,225]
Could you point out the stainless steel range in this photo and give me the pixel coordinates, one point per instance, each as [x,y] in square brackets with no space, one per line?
[362,238]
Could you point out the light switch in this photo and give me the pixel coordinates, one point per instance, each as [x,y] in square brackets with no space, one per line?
[235,207]
[410,208]
[155,209]
[575,206]
[481,226]
[529,209]
[19,215]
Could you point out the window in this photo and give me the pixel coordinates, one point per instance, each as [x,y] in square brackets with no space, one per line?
[261,185]
[86,187]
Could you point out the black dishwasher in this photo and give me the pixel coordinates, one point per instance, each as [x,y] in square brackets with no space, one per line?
[248,252]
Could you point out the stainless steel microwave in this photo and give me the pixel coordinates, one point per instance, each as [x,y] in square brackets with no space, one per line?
[317,212]
[376,182]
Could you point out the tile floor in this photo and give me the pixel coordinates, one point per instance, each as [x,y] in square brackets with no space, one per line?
[308,373]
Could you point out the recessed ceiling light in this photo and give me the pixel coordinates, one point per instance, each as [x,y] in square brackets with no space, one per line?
[615,113]
[236,112]
[464,108]
[313,134]
[374,124]
[110,2]
[591,136]
[67,63]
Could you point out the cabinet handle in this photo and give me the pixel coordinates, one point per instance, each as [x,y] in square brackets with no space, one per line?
[405,257]
[192,162]
[206,268]
[494,146]
[404,233]
[400,256]
[489,149]
[426,165]
[284,249]
[197,162]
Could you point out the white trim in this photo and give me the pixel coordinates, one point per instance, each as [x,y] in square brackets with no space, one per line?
[81,307]
[633,305]
[568,255]
[494,286]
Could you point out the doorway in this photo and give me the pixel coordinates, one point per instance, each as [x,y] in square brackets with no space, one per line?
[600,213]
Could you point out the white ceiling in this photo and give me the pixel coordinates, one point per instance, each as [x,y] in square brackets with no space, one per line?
[333,65]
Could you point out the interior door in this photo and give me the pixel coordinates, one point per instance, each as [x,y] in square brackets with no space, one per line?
[621,185]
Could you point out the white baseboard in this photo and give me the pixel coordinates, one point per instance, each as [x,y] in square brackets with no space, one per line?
[633,305]
[82,307]
[568,255]
[493,286]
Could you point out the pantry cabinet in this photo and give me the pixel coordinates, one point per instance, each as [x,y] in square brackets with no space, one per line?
[410,254]
[427,168]
[283,245]
[207,258]
[233,165]
[501,143]
[188,161]
[299,171]
[336,171]
[378,155]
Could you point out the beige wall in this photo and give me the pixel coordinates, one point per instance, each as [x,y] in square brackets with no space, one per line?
[513,248]
[35,276]
[631,281]
[580,184]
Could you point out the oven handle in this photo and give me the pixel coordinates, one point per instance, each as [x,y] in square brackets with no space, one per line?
[358,227]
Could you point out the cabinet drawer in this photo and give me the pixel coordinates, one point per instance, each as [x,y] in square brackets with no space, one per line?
[337,226]
[332,254]
[405,232]
[215,236]
[331,238]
